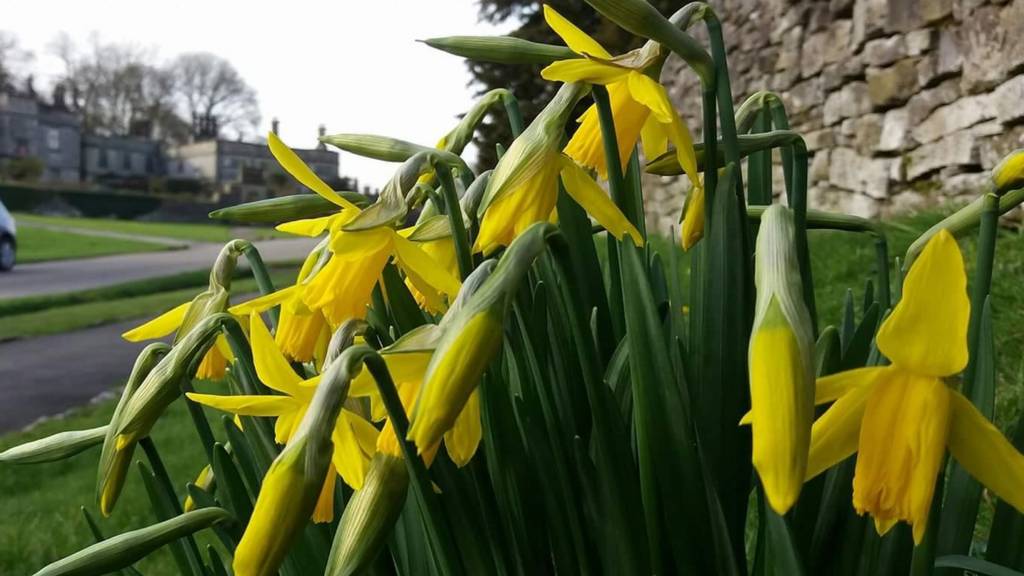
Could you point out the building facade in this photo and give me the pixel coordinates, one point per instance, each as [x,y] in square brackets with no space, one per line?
[50,137]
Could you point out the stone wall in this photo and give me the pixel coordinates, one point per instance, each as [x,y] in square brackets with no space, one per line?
[903,103]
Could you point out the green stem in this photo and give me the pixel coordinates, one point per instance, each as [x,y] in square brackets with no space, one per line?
[515,116]
[447,551]
[616,181]
[262,276]
[458,225]
[982,284]
[882,259]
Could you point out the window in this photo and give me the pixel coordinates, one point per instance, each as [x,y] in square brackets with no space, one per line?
[104,159]
[53,138]
[126,162]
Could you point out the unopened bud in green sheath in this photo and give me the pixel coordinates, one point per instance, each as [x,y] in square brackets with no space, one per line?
[376,147]
[114,461]
[501,49]
[54,447]
[369,517]
[123,550]
[1009,174]
[285,208]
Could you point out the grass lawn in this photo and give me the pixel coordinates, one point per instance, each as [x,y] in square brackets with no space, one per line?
[196,232]
[40,244]
[59,319]
[41,504]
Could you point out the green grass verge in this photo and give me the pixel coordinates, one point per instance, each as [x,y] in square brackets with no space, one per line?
[104,311]
[184,231]
[41,503]
[41,244]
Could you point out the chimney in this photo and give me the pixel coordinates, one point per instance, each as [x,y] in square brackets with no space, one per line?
[321,131]
[274,125]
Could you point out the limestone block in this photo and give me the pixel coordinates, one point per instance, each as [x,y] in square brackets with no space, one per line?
[819,168]
[984,39]
[819,139]
[992,149]
[934,10]
[894,85]
[1008,100]
[863,174]
[895,131]
[884,51]
[922,103]
[869,20]
[804,95]
[849,101]
[957,149]
[812,54]
[867,131]
[919,41]
[960,114]
[837,47]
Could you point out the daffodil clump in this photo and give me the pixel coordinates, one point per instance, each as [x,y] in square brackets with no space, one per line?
[489,370]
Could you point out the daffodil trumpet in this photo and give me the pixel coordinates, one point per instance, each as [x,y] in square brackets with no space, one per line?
[901,418]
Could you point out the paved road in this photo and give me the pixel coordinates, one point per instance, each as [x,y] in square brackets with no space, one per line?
[72,275]
[49,375]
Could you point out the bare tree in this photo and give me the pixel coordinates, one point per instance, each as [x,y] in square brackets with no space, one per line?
[210,86]
[12,59]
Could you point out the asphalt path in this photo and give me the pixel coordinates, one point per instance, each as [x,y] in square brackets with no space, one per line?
[60,276]
[49,375]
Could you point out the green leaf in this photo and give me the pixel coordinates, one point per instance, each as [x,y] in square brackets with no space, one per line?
[975,565]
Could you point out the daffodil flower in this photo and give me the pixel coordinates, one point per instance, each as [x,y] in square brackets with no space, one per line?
[342,289]
[640,105]
[524,186]
[354,438]
[901,418]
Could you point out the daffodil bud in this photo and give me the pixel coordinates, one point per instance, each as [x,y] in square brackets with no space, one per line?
[163,383]
[203,481]
[781,361]
[537,148]
[456,140]
[285,208]
[123,550]
[501,49]
[292,485]
[471,337]
[369,516]
[376,147]
[1009,174]
[54,447]
[114,462]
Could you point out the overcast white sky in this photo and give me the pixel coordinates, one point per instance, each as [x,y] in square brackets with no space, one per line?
[354,66]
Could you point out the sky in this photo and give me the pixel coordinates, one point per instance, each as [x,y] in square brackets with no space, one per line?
[352,65]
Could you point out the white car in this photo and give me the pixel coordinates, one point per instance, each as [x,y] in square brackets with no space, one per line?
[8,242]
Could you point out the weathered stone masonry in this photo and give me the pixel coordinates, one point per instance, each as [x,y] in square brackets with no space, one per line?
[903,103]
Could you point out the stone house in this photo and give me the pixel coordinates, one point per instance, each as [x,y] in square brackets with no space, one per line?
[32,128]
[903,103]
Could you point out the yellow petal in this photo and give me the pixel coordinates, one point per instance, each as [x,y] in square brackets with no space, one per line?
[984,452]
[653,95]
[654,137]
[357,245]
[463,439]
[247,405]
[581,70]
[693,218]
[428,275]
[927,331]
[160,326]
[577,40]
[835,434]
[364,432]
[348,457]
[593,199]
[294,165]
[271,366]
[311,227]
[834,386]
[324,511]
[262,303]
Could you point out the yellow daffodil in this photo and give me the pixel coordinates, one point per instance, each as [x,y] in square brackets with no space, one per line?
[1009,174]
[692,229]
[524,186]
[781,364]
[183,317]
[354,438]
[640,105]
[901,418]
[342,289]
